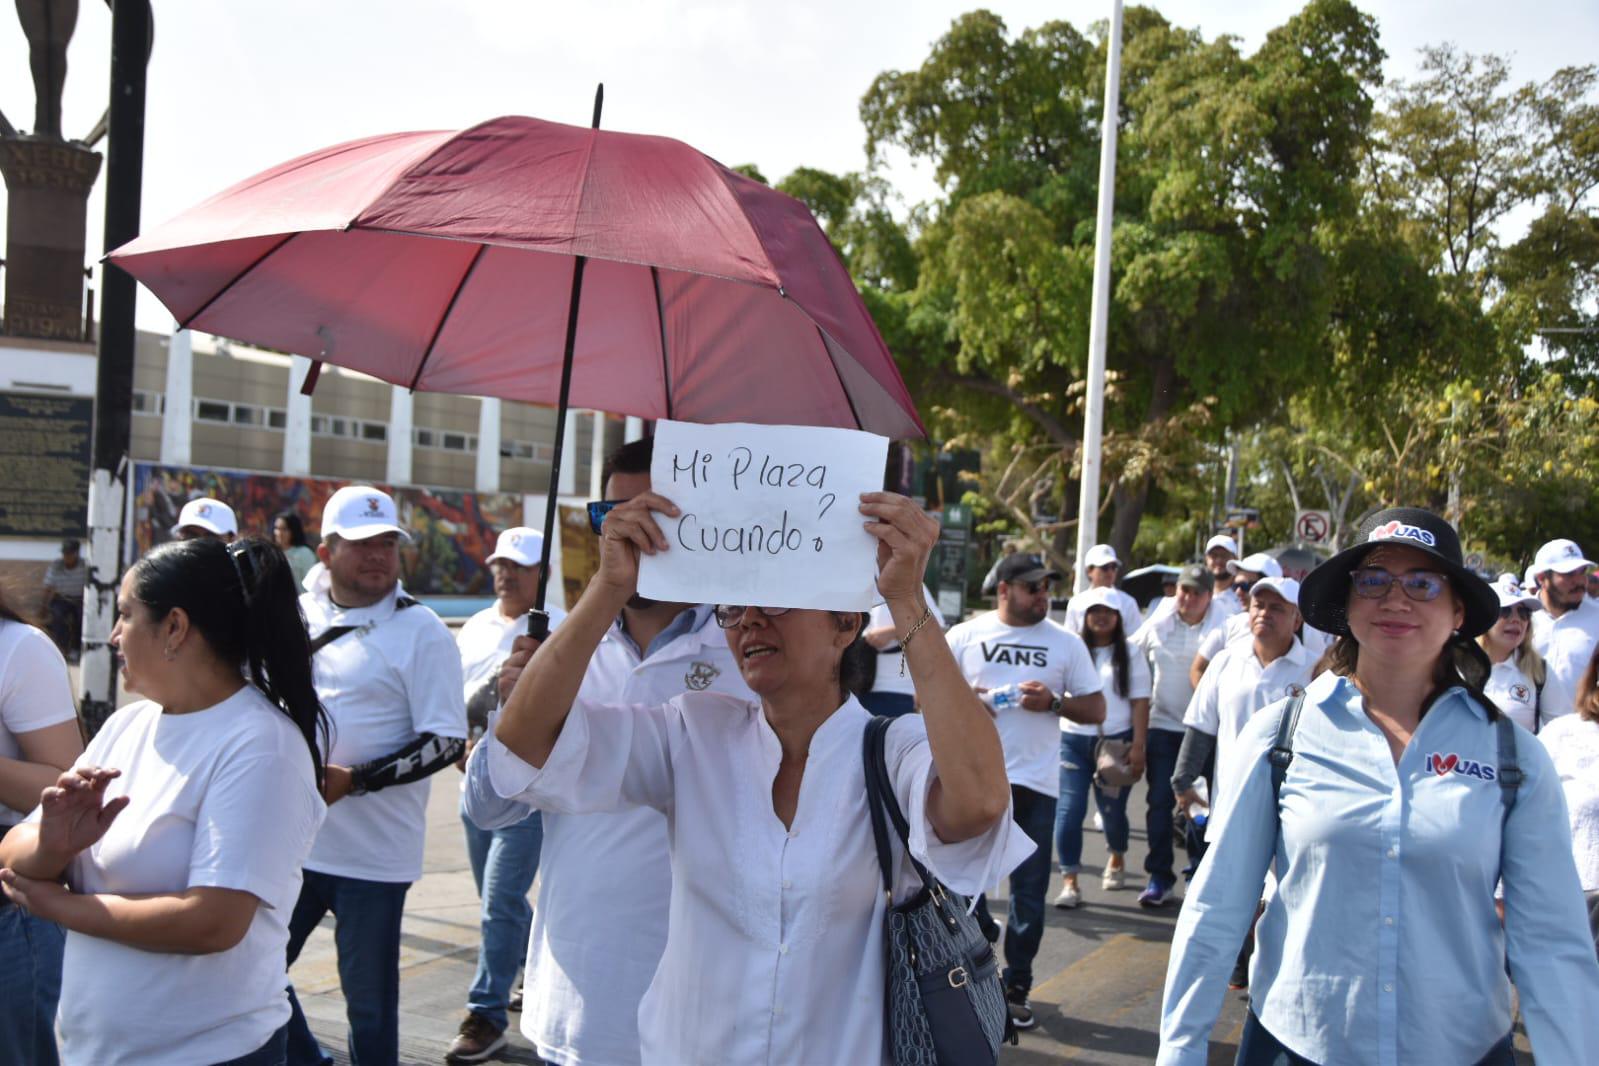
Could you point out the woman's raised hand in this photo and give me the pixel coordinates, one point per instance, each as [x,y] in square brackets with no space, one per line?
[905,539]
[629,531]
[73,813]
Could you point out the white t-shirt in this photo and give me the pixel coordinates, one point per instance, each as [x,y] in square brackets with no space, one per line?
[1168,645]
[1234,687]
[396,677]
[1566,644]
[891,675]
[35,692]
[1118,708]
[774,951]
[485,643]
[225,797]
[1513,692]
[605,879]
[1077,606]
[1573,744]
[992,654]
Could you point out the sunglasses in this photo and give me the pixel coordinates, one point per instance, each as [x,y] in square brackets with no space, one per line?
[1515,610]
[598,509]
[1371,583]
[729,615]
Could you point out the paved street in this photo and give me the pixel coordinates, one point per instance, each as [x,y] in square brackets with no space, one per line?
[1099,972]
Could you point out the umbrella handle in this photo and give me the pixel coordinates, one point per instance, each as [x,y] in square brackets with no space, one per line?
[538,624]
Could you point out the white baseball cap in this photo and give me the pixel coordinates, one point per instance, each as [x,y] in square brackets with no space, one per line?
[1511,593]
[520,545]
[1221,540]
[208,514]
[1100,597]
[1101,555]
[1286,587]
[357,512]
[1259,563]
[1561,556]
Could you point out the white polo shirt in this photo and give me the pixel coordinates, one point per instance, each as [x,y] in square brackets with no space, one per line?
[891,673]
[1169,645]
[396,677]
[1077,606]
[1513,692]
[605,880]
[1566,644]
[485,643]
[35,692]
[992,654]
[1234,687]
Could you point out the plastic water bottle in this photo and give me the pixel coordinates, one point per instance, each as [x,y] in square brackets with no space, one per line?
[1198,814]
[1005,697]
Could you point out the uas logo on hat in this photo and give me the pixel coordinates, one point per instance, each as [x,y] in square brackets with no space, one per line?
[205,510]
[373,507]
[1397,530]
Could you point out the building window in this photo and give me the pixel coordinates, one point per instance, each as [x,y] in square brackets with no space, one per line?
[374,431]
[149,403]
[424,438]
[319,424]
[454,442]
[211,411]
[277,418]
[245,415]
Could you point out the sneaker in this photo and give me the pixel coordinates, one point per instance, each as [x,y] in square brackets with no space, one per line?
[1021,1011]
[478,1039]
[516,998]
[1069,896]
[1240,978]
[1155,894]
[1114,877]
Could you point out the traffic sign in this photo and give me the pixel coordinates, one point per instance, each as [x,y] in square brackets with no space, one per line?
[1243,518]
[1313,527]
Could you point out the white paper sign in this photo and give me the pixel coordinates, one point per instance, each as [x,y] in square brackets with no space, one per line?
[770,515]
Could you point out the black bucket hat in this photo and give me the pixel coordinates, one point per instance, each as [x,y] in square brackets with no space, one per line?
[1324,594]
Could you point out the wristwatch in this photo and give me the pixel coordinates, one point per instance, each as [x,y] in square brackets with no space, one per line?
[1055,703]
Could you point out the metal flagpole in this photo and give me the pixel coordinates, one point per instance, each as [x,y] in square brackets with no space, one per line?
[1094,413]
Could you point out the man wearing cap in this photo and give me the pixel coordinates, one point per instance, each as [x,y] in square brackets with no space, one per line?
[1220,551]
[64,581]
[605,881]
[505,860]
[206,518]
[1245,573]
[1103,567]
[1032,672]
[389,677]
[1169,643]
[1567,629]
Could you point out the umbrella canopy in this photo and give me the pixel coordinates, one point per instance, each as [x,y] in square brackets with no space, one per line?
[442,261]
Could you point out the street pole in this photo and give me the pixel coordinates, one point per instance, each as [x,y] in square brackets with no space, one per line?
[113,407]
[1094,412]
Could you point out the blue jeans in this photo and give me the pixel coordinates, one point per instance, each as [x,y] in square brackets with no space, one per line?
[366,934]
[1160,761]
[504,862]
[275,1052]
[1076,778]
[30,985]
[1024,929]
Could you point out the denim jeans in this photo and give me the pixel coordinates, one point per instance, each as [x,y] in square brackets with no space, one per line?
[504,862]
[1076,778]
[1160,760]
[1029,882]
[366,934]
[30,985]
[275,1052]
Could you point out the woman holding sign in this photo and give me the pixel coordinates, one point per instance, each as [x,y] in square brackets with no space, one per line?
[775,948]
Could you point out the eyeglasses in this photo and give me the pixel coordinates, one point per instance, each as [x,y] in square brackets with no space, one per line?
[1371,583]
[1517,610]
[729,615]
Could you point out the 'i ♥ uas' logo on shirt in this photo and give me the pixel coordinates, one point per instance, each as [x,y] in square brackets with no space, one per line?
[1443,765]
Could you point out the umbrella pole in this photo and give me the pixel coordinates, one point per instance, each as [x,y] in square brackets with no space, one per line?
[538,619]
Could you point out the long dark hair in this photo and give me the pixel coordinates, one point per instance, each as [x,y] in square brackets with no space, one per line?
[296,527]
[1118,649]
[857,668]
[241,599]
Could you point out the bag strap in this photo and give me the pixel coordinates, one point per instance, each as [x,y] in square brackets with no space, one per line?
[1282,750]
[1510,775]
[332,633]
[880,797]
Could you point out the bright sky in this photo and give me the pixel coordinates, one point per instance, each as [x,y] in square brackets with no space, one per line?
[238,86]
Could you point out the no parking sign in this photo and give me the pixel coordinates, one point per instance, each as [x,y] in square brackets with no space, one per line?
[1313,527]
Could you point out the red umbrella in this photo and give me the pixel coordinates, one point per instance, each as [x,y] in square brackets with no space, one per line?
[460,261]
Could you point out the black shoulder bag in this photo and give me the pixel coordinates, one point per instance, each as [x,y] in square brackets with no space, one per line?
[943,1003]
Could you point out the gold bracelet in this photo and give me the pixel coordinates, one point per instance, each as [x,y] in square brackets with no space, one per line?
[906,639]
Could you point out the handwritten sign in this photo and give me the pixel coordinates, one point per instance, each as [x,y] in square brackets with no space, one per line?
[769,516]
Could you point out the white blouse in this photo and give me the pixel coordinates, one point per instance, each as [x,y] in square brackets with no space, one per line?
[1514,693]
[774,952]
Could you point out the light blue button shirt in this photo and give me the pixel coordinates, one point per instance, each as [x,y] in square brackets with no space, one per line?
[1382,944]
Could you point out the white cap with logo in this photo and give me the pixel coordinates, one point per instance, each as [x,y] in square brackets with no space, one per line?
[208,514]
[357,512]
[1286,587]
[520,545]
[1561,556]
[1101,555]
[1221,540]
[1259,563]
[1511,594]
